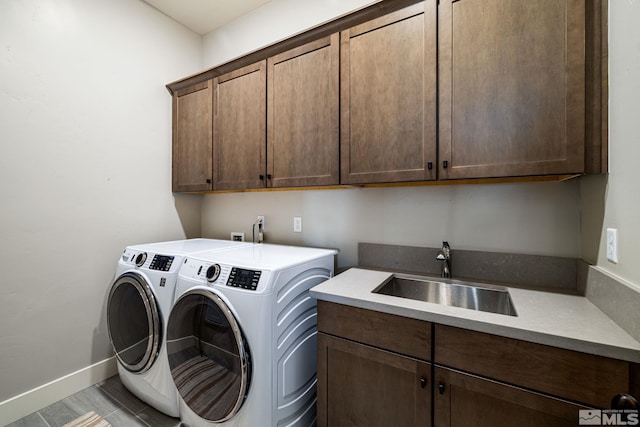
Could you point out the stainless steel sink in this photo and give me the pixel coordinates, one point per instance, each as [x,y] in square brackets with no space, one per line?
[492,299]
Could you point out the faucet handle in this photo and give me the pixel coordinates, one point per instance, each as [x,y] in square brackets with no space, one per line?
[446,248]
[444,256]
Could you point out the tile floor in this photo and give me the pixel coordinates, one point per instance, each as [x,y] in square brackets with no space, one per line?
[109,399]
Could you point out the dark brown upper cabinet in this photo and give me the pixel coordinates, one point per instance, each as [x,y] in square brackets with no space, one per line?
[511,88]
[280,130]
[192,127]
[404,91]
[303,115]
[388,97]
[239,128]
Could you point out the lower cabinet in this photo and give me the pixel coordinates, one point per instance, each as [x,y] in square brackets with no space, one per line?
[570,375]
[360,385]
[379,369]
[463,400]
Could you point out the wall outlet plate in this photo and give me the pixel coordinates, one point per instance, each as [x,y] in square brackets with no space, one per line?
[297,224]
[237,236]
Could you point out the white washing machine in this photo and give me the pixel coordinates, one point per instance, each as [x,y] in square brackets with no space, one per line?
[241,337]
[139,302]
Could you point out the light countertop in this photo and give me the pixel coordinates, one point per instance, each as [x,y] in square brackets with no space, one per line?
[566,321]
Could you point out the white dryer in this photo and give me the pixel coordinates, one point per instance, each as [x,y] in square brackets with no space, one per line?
[138,306]
[241,336]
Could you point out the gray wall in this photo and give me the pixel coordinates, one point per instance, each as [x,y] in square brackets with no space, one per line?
[85,169]
[534,218]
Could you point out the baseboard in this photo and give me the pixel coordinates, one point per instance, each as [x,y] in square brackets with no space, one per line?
[33,400]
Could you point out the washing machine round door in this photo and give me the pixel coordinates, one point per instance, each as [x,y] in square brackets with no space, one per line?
[208,355]
[133,322]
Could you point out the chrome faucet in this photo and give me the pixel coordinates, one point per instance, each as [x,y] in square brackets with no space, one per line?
[444,256]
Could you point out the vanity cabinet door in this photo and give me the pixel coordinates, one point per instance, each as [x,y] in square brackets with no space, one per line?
[388,97]
[568,374]
[462,400]
[239,128]
[192,138]
[303,115]
[511,88]
[359,385]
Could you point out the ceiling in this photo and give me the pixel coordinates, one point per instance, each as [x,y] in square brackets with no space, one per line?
[204,16]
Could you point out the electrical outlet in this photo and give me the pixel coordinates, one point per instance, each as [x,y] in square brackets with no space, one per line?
[297,224]
[261,220]
[612,245]
[236,236]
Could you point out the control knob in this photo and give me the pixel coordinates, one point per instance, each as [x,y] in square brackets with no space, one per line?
[141,258]
[213,272]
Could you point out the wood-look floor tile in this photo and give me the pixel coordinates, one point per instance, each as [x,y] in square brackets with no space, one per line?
[32,420]
[124,418]
[157,419]
[114,387]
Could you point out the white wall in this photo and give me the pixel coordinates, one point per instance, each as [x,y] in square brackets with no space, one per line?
[615,202]
[270,23]
[85,132]
[540,218]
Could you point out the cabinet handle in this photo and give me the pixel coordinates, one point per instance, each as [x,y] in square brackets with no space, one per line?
[269,176]
[423,382]
[624,401]
[441,387]
[208,181]
[445,164]
[429,165]
[261,177]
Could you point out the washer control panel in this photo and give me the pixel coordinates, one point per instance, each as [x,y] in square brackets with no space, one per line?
[245,279]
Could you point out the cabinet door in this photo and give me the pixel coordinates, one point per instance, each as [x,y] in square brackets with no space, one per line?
[388,97]
[568,374]
[462,400]
[239,128]
[192,128]
[302,108]
[512,88]
[360,385]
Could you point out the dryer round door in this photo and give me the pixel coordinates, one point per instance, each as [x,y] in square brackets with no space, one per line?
[133,321]
[208,355]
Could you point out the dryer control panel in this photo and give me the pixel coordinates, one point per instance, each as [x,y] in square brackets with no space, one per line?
[161,262]
[245,279]
[210,273]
